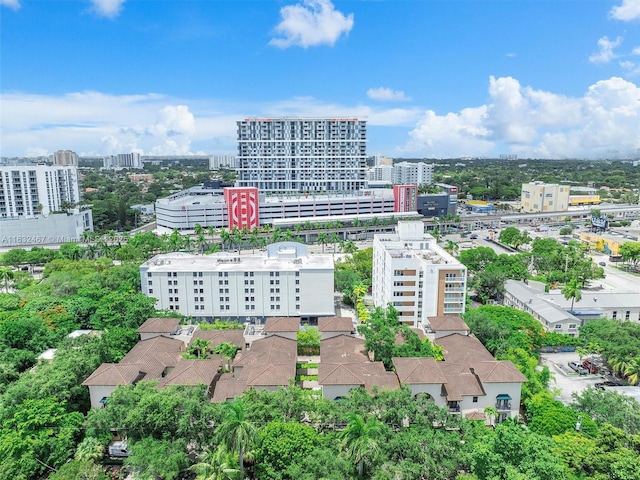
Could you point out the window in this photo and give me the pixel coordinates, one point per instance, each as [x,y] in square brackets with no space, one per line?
[297,290]
[150,282]
[626,315]
[222,299]
[297,299]
[148,274]
[572,326]
[175,274]
[221,290]
[226,274]
[195,299]
[171,290]
[202,290]
[197,307]
[297,307]
[297,282]
[246,282]
[195,274]
[226,307]
[246,274]
[199,274]
[475,400]
[273,307]
[272,299]
[169,274]
[271,290]
[270,282]
[195,290]
[200,282]
[558,326]
[202,299]
[195,282]
[271,274]
[615,314]
[297,274]
[175,290]
[151,290]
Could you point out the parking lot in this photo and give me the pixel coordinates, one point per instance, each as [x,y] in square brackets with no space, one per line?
[564,378]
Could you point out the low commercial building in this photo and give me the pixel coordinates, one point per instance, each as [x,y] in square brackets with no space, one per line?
[532,300]
[41,230]
[283,281]
[231,206]
[416,276]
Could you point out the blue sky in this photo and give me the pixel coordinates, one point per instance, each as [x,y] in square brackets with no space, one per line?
[434,78]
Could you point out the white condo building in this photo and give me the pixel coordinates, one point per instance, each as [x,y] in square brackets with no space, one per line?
[284,281]
[302,154]
[123,160]
[28,190]
[419,278]
[409,173]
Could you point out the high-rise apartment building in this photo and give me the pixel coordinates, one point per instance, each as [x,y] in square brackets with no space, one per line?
[544,197]
[28,189]
[65,157]
[416,276]
[410,173]
[123,160]
[302,154]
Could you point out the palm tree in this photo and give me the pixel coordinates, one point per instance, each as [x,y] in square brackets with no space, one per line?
[437,235]
[572,291]
[201,240]
[452,247]
[492,413]
[276,235]
[236,432]
[225,237]
[334,239]
[254,240]
[6,274]
[359,439]
[216,465]
[227,350]
[632,371]
[199,348]
[323,239]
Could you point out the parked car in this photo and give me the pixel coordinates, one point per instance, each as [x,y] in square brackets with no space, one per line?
[473,236]
[589,366]
[603,264]
[575,366]
[607,383]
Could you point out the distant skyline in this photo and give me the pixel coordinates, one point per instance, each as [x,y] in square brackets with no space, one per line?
[433,78]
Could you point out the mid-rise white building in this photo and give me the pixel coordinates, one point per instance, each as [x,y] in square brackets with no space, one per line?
[302,154]
[284,281]
[415,275]
[381,173]
[123,160]
[27,190]
[410,173]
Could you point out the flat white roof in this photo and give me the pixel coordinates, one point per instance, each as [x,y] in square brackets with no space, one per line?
[221,262]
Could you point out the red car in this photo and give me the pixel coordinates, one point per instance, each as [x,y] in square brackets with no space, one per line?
[589,366]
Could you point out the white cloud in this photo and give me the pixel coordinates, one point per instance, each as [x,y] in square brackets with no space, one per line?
[107,8]
[12,4]
[311,23]
[387,94]
[635,51]
[629,10]
[605,53]
[535,123]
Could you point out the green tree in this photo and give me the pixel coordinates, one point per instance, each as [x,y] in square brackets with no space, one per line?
[572,291]
[236,432]
[199,348]
[6,276]
[360,440]
[283,444]
[228,351]
[216,465]
[308,341]
[152,459]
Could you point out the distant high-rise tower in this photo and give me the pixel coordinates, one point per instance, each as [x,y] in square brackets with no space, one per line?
[65,157]
[283,155]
